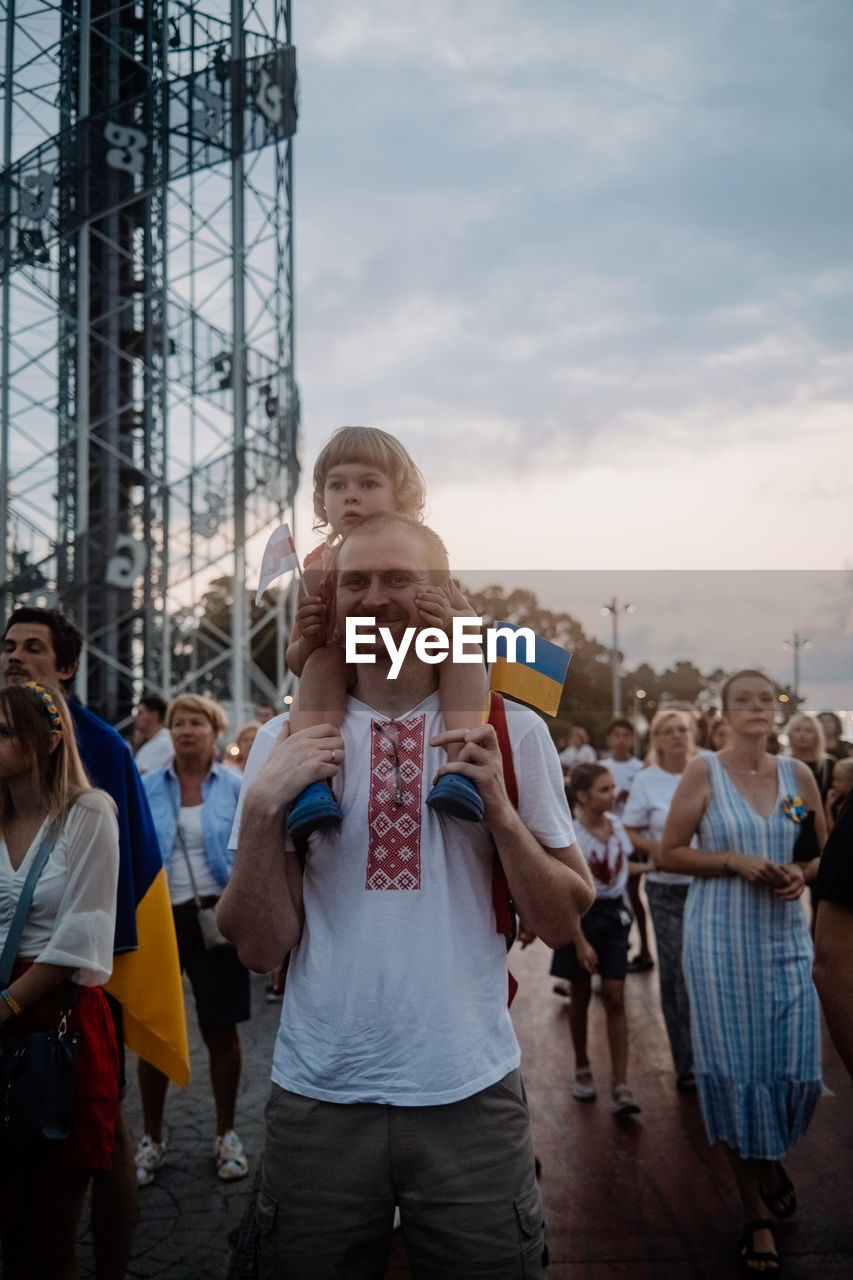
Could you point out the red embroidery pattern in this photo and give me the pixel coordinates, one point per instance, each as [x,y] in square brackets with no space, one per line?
[604,868]
[394,806]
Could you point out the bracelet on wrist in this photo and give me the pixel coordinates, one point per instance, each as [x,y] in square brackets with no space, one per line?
[727,862]
[10,1001]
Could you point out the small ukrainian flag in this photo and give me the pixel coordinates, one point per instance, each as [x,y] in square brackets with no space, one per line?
[538,682]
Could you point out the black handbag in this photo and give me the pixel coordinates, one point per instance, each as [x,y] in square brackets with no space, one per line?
[37,1070]
[806,846]
[37,1077]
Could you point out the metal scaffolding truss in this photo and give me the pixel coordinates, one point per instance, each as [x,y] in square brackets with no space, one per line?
[148,409]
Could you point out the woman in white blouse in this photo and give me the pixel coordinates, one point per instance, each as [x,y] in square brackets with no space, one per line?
[64,955]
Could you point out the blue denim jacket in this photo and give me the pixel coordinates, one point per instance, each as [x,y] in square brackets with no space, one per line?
[219,793]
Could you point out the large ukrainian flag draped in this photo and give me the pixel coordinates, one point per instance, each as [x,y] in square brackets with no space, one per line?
[538,679]
[146,977]
[147,984]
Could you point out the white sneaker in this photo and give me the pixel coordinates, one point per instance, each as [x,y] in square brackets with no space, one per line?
[232,1162]
[149,1156]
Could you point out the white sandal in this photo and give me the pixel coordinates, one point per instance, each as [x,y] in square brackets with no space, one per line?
[622,1101]
[582,1085]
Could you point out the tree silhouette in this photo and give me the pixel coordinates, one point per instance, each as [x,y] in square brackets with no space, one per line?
[586,698]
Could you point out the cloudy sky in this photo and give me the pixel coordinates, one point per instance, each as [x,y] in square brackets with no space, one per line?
[592,263]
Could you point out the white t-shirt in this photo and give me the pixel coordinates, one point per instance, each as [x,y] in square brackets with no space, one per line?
[624,772]
[180,884]
[397,990]
[71,920]
[647,808]
[157,753]
[608,860]
[570,756]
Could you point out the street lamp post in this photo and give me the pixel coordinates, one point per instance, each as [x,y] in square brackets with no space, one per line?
[613,609]
[639,694]
[797,644]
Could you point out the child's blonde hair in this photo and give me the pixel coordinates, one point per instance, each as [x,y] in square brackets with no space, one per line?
[372,448]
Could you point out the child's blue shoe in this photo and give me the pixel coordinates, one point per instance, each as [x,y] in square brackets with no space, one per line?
[457,797]
[314,809]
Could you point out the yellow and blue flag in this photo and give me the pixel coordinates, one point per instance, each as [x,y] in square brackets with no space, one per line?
[538,679]
[146,977]
[147,983]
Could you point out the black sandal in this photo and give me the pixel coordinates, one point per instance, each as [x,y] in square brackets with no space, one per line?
[783,1201]
[749,1255]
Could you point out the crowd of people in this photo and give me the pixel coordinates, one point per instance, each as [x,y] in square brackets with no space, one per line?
[717,829]
[387,842]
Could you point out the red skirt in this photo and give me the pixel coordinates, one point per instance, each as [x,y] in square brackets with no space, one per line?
[89,1146]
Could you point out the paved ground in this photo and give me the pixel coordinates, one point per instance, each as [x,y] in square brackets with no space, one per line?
[187,1214]
[646,1198]
[649,1198]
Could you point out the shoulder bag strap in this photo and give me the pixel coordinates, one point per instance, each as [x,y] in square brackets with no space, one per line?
[497,719]
[505,921]
[19,919]
[179,836]
[505,917]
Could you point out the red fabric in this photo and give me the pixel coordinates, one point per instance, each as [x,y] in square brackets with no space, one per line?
[394,830]
[497,719]
[320,561]
[90,1144]
[500,889]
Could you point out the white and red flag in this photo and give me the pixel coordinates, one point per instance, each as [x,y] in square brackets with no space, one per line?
[279,557]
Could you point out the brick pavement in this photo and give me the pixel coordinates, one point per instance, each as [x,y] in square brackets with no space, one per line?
[647,1199]
[187,1214]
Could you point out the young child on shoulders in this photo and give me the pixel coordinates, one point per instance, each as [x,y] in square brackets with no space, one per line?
[360,472]
[601,943]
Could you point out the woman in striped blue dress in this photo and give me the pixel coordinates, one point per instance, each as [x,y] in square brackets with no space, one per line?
[748,954]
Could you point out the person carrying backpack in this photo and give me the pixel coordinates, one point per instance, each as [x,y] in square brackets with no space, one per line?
[396,1062]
